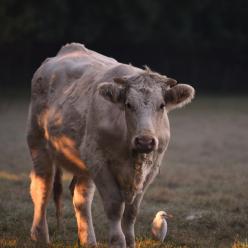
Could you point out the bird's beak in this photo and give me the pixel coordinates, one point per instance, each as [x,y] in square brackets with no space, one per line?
[168,216]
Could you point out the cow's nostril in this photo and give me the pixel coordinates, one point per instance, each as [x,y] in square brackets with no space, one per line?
[153,142]
[144,143]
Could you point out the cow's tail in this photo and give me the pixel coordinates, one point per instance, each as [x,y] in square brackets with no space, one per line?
[57,193]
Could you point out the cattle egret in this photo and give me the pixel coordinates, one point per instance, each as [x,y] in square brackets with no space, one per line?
[159,225]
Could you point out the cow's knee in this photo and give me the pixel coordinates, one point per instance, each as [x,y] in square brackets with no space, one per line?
[130,214]
[114,209]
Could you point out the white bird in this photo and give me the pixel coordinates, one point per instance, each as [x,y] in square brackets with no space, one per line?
[159,225]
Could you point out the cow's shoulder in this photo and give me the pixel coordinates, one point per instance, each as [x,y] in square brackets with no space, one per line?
[73,60]
[70,59]
[68,65]
[81,53]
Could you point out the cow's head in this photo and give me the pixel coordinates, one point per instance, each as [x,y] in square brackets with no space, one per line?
[146,99]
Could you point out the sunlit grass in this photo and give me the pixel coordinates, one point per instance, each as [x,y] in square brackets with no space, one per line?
[239,244]
[7,242]
[10,176]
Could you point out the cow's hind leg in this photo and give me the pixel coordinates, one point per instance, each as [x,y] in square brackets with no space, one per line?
[83,189]
[40,189]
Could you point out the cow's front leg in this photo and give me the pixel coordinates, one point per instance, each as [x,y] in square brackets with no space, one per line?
[132,210]
[129,219]
[82,189]
[113,206]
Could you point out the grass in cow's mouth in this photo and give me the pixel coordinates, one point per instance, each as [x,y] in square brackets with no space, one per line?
[203,183]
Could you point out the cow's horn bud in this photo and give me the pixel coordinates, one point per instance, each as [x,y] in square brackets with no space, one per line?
[120,81]
[171,82]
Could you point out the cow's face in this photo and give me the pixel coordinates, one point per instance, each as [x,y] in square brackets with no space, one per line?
[146,100]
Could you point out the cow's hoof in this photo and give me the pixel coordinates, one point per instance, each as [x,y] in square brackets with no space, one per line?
[88,245]
[119,245]
[117,241]
[130,239]
[39,235]
[130,244]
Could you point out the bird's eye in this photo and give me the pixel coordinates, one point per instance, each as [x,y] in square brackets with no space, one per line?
[162,105]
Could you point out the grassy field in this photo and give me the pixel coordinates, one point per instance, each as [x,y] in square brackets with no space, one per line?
[203,181]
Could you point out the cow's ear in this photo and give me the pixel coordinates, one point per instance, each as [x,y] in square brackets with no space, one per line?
[112,92]
[178,96]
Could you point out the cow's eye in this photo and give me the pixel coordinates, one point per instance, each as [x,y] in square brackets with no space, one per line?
[128,105]
[162,105]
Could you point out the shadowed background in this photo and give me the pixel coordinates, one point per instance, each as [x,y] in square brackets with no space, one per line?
[203,42]
[203,179]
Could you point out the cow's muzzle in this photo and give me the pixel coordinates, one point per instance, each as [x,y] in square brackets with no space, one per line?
[144,143]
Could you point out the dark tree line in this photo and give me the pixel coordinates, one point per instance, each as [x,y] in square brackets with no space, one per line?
[187,38]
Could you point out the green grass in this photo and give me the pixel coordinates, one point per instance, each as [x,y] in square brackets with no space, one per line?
[203,181]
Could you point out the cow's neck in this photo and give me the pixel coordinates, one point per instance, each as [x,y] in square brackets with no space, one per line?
[141,166]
